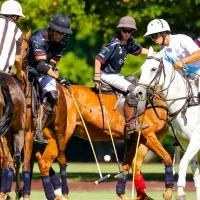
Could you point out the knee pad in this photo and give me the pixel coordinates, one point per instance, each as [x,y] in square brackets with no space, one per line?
[52,97]
[130,97]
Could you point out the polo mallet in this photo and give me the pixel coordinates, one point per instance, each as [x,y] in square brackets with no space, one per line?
[121,174]
[136,152]
[102,178]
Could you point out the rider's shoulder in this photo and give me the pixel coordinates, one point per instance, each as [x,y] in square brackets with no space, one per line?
[39,35]
[114,41]
[181,37]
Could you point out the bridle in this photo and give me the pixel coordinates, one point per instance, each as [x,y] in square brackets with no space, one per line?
[153,90]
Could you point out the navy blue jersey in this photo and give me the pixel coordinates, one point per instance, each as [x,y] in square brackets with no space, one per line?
[40,45]
[112,56]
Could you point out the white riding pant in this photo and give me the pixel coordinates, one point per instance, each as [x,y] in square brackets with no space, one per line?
[115,80]
[47,84]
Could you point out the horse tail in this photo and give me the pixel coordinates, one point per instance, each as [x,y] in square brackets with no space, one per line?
[6,119]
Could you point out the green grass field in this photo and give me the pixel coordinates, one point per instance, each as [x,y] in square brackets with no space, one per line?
[102,195]
[107,168]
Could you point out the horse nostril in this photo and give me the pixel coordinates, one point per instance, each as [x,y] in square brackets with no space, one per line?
[140,93]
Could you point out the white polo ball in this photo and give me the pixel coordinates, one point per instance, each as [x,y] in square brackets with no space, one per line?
[107,158]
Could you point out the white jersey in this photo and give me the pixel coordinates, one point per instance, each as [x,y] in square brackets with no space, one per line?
[10,34]
[180,46]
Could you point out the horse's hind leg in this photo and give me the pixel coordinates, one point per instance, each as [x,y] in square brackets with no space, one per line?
[45,161]
[153,144]
[18,146]
[7,171]
[126,165]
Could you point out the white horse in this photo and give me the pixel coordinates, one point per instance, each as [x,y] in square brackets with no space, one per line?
[175,90]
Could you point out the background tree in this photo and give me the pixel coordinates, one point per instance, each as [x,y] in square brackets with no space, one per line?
[94,24]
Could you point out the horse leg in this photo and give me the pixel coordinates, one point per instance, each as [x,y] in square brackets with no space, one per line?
[128,157]
[191,151]
[7,171]
[27,167]
[55,181]
[28,164]
[139,182]
[62,163]
[45,161]
[196,176]
[18,146]
[154,144]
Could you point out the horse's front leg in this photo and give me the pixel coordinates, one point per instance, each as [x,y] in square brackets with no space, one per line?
[139,182]
[45,161]
[152,142]
[62,163]
[28,164]
[196,176]
[190,153]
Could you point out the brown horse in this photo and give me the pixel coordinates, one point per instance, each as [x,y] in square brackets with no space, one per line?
[12,125]
[89,103]
[55,133]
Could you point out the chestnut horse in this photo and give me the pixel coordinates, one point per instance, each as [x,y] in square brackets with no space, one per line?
[89,104]
[55,133]
[12,126]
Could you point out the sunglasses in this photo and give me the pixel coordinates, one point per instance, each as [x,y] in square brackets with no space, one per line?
[59,33]
[127,30]
[154,36]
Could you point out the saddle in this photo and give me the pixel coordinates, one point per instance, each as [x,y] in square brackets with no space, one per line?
[35,91]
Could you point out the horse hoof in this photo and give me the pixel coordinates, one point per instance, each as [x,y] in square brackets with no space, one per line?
[64,197]
[57,198]
[2,196]
[27,197]
[181,197]
[147,198]
[167,195]
[123,196]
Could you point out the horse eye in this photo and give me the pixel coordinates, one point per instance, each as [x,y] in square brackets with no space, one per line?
[153,69]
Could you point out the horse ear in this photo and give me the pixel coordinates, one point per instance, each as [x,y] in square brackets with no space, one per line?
[28,34]
[151,51]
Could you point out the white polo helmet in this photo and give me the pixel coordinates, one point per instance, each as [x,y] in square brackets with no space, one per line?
[157,26]
[11,7]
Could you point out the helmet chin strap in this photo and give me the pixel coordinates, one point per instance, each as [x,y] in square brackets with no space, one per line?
[163,36]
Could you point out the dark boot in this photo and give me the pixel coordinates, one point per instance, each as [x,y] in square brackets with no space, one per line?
[132,125]
[47,113]
[39,138]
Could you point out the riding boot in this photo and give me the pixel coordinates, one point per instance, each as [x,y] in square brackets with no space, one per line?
[39,138]
[47,114]
[132,125]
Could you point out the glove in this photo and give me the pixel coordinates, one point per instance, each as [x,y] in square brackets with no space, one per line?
[63,81]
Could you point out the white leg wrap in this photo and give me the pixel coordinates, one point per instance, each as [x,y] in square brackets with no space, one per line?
[58,192]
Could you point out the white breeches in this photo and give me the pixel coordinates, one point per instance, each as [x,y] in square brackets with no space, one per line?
[47,84]
[115,80]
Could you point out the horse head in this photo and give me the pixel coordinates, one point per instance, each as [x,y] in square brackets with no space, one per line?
[151,74]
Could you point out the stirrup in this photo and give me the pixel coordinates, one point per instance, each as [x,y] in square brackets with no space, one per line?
[138,128]
[40,139]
